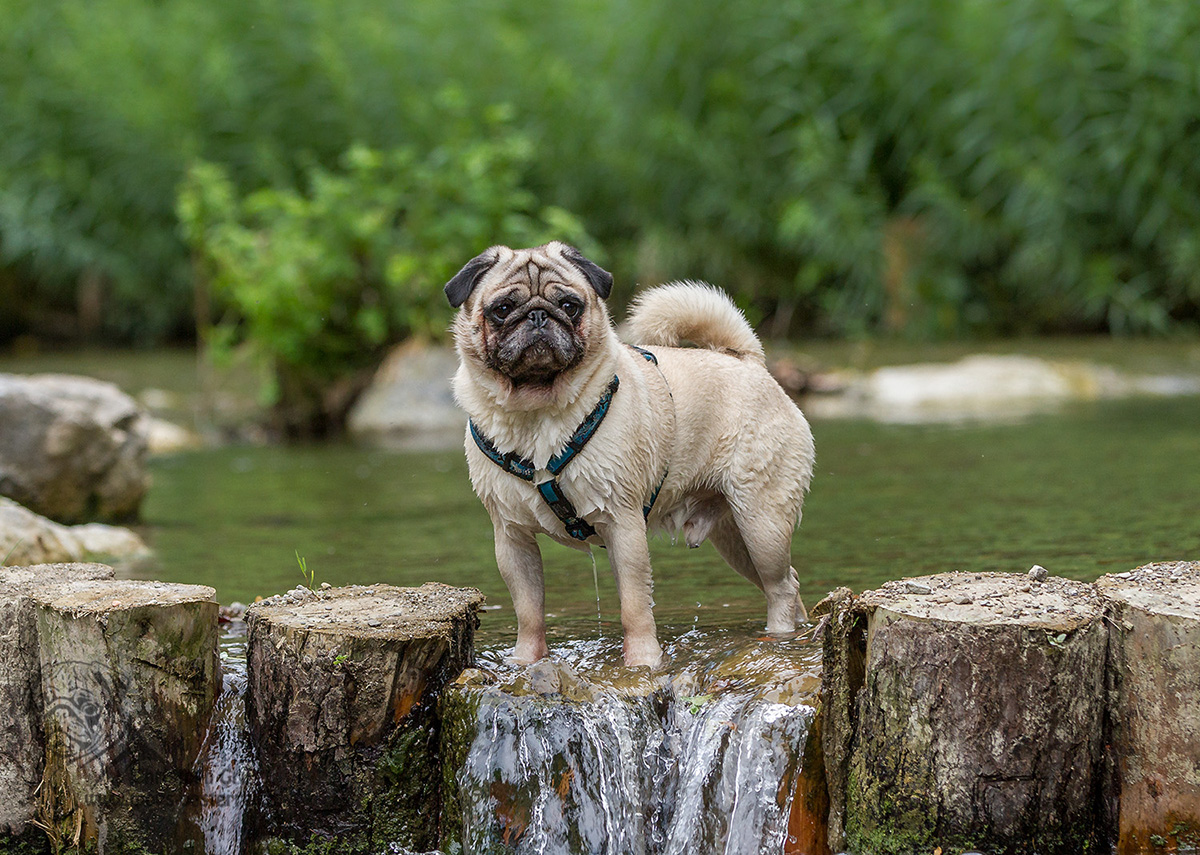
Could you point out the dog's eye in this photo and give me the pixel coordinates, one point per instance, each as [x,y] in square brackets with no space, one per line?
[501,310]
[571,307]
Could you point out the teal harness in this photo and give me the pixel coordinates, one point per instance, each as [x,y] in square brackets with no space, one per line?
[550,490]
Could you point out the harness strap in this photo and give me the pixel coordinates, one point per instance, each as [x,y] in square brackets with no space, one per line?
[511,462]
[585,430]
[550,490]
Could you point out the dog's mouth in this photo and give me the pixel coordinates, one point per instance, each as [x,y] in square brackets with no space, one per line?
[536,356]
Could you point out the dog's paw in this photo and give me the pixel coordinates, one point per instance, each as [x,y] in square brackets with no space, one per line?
[644,653]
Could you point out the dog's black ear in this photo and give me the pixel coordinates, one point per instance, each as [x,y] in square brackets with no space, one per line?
[459,288]
[599,278]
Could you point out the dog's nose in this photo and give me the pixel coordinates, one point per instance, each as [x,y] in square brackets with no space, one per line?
[539,318]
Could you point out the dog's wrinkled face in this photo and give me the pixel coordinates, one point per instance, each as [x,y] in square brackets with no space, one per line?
[528,314]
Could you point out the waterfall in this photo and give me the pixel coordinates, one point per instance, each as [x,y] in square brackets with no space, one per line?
[226,766]
[704,758]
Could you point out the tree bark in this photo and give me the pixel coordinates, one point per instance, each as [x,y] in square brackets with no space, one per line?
[977,721]
[22,745]
[342,703]
[1155,707]
[129,676]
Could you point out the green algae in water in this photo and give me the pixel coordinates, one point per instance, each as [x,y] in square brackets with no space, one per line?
[1095,488]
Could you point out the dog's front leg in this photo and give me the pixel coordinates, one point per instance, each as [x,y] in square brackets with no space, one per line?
[520,563]
[629,555]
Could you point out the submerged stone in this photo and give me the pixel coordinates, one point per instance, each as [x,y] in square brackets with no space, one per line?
[572,755]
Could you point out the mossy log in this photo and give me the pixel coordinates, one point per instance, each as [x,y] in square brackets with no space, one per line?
[21,743]
[342,704]
[966,712]
[1155,707]
[129,674]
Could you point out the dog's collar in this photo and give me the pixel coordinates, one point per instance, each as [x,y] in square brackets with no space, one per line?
[550,490]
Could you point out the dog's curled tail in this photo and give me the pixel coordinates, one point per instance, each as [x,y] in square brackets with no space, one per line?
[694,312]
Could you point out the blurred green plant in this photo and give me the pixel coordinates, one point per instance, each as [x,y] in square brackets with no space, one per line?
[927,169]
[318,279]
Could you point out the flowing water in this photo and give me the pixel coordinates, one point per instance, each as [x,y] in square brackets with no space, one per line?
[226,766]
[577,755]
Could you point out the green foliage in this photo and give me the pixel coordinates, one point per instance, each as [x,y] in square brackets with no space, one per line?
[928,168]
[319,278]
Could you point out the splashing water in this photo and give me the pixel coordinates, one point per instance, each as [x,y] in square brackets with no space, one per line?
[702,758]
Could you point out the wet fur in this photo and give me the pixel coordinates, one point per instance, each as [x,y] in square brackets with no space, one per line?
[738,453]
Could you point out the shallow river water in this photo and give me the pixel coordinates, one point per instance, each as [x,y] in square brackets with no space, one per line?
[1090,489]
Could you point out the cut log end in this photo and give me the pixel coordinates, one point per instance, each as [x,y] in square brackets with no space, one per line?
[990,599]
[129,676]
[379,612]
[104,597]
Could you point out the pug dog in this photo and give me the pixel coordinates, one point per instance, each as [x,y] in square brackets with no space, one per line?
[592,442]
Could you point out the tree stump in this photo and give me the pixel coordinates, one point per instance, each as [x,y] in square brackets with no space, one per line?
[342,703]
[21,743]
[129,677]
[976,714]
[1155,680]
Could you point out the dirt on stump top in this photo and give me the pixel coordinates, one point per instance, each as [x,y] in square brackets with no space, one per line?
[1171,588]
[102,597]
[23,579]
[375,611]
[990,599]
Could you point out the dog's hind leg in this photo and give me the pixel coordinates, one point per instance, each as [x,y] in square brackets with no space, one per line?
[767,545]
[730,546]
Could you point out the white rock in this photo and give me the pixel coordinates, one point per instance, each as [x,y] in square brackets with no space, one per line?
[27,538]
[71,448]
[409,403]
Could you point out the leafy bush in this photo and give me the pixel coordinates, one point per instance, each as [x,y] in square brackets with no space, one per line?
[319,279]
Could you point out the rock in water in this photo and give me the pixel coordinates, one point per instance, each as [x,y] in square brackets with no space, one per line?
[342,702]
[1155,681]
[22,745]
[26,538]
[972,724]
[129,675]
[71,448]
[715,755]
[409,403]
